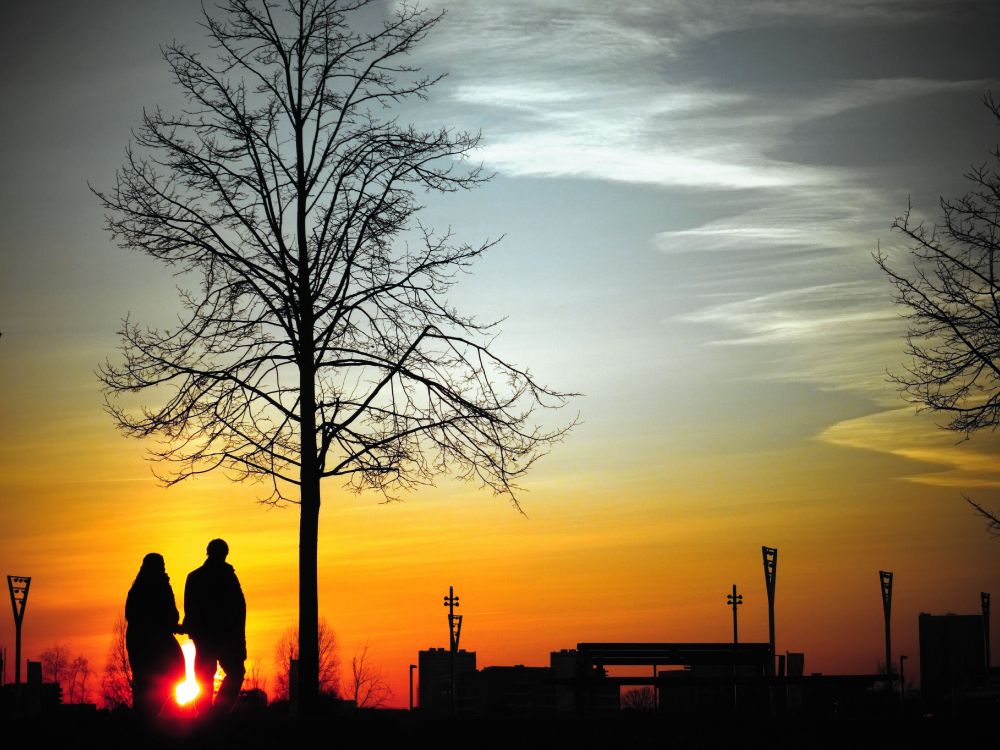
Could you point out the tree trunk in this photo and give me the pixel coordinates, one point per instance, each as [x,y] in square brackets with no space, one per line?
[309,476]
[308,595]
[309,498]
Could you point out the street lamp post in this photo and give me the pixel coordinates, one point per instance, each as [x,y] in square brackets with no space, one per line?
[770,555]
[885,579]
[18,586]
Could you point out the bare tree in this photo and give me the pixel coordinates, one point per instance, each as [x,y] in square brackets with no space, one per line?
[287,648]
[55,663]
[72,674]
[116,682]
[255,679]
[318,343]
[366,685]
[78,679]
[639,699]
[950,294]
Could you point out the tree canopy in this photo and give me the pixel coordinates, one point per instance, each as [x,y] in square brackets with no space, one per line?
[950,295]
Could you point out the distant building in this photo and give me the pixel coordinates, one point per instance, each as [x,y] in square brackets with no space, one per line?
[701,680]
[516,691]
[37,698]
[952,661]
[796,664]
[434,694]
[562,665]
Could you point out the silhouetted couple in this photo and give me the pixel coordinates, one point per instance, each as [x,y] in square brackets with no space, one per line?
[215,614]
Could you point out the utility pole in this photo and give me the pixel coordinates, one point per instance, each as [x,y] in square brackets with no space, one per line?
[734,600]
[18,586]
[902,682]
[412,667]
[885,579]
[984,597]
[454,633]
[770,555]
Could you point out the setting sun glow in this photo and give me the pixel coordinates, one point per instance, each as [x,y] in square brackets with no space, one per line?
[188,690]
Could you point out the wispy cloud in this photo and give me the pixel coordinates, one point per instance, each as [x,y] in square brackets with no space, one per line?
[589,30]
[626,135]
[832,217]
[950,461]
[796,315]
[622,93]
[651,132]
[836,335]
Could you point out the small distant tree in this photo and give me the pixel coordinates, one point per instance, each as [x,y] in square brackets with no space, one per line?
[79,680]
[55,664]
[72,674]
[366,685]
[255,679]
[639,699]
[116,682]
[287,649]
[950,294]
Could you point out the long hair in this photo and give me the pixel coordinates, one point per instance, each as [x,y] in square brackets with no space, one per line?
[150,601]
[152,572]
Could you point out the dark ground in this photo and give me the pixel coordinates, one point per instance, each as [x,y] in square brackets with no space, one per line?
[400,730]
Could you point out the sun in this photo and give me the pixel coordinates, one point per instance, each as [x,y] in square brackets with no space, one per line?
[187,691]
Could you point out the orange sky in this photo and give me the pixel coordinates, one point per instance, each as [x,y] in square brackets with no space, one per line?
[605,552]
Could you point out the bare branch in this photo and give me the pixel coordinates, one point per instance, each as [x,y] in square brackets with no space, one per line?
[991,519]
[950,295]
[366,685]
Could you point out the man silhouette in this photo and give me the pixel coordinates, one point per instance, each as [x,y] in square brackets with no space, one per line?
[215,617]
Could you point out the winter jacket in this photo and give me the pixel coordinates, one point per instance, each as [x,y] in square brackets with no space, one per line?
[215,611]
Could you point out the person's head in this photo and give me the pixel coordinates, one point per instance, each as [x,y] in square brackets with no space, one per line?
[153,563]
[152,569]
[217,550]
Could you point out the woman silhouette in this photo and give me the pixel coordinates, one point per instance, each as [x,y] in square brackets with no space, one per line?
[153,652]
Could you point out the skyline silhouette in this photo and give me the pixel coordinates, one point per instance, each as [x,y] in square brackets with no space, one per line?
[953,658]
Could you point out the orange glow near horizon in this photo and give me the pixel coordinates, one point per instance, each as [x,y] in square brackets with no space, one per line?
[187,691]
[581,567]
[641,548]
